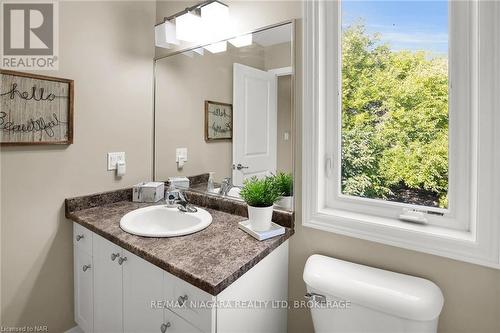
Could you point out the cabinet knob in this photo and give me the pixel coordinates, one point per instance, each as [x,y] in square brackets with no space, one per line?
[163,327]
[114,256]
[121,260]
[85,267]
[78,237]
[182,300]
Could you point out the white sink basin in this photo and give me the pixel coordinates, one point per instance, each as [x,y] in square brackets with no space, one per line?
[161,221]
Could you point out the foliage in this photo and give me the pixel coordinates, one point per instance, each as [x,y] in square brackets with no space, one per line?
[394,119]
[260,192]
[284,183]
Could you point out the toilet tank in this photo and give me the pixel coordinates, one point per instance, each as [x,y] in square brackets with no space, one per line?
[360,298]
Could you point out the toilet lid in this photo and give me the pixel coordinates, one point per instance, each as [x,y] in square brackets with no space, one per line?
[393,293]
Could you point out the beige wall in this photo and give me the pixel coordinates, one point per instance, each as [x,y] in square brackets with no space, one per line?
[471,292]
[278,56]
[107,48]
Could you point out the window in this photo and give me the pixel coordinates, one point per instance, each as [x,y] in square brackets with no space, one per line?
[394,134]
[394,115]
[394,101]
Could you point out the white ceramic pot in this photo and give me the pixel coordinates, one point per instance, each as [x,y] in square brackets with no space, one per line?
[285,203]
[260,217]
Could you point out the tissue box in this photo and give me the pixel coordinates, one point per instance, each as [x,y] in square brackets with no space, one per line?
[148,192]
[179,182]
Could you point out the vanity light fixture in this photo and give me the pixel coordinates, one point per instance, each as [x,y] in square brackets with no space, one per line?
[241,41]
[189,27]
[217,47]
[214,17]
[165,35]
[202,23]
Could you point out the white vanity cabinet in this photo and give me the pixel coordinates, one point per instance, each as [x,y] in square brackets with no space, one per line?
[121,292]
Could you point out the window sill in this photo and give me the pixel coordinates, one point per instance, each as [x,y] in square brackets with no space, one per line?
[460,245]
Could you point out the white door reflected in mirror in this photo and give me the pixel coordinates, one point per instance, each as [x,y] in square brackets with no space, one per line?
[255,110]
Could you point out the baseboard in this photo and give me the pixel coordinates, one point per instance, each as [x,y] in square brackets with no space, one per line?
[75,329]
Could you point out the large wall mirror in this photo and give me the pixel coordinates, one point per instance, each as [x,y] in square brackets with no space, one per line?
[230,105]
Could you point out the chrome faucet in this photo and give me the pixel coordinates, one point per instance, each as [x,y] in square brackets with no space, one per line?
[176,198]
[184,206]
[225,186]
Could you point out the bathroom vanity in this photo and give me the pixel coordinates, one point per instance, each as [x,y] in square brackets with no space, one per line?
[217,280]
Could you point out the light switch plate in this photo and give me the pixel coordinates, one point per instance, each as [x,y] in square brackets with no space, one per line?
[181,154]
[113,158]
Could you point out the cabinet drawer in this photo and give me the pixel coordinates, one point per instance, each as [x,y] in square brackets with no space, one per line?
[175,324]
[193,304]
[82,238]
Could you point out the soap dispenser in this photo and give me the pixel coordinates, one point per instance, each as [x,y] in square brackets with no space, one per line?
[210,185]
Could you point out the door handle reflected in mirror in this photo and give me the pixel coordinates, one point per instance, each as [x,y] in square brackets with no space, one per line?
[240,167]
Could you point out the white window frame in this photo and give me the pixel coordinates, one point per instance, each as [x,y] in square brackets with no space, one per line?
[469,231]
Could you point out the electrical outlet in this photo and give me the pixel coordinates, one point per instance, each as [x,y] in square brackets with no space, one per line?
[113,158]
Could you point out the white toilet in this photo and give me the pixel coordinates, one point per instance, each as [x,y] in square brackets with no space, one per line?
[348,297]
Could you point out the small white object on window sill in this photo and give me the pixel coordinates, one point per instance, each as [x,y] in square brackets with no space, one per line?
[413,216]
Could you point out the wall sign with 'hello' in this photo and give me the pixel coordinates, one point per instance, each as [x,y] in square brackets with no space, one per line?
[218,121]
[35,109]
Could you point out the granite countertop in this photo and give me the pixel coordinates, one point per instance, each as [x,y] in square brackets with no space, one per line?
[210,259]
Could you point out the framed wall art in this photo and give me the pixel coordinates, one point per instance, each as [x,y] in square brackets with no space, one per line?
[35,109]
[218,121]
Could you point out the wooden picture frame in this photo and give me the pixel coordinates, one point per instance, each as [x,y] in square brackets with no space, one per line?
[218,121]
[35,109]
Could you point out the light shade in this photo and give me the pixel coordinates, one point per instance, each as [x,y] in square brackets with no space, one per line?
[215,18]
[217,47]
[215,12]
[241,41]
[165,35]
[189,27]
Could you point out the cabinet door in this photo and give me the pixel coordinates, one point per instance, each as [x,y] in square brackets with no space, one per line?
[84,297]
[108,315]
[194,304]
[175,324]
[143,304]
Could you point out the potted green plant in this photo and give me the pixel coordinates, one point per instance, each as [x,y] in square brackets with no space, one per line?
[260,195]
[284,184]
